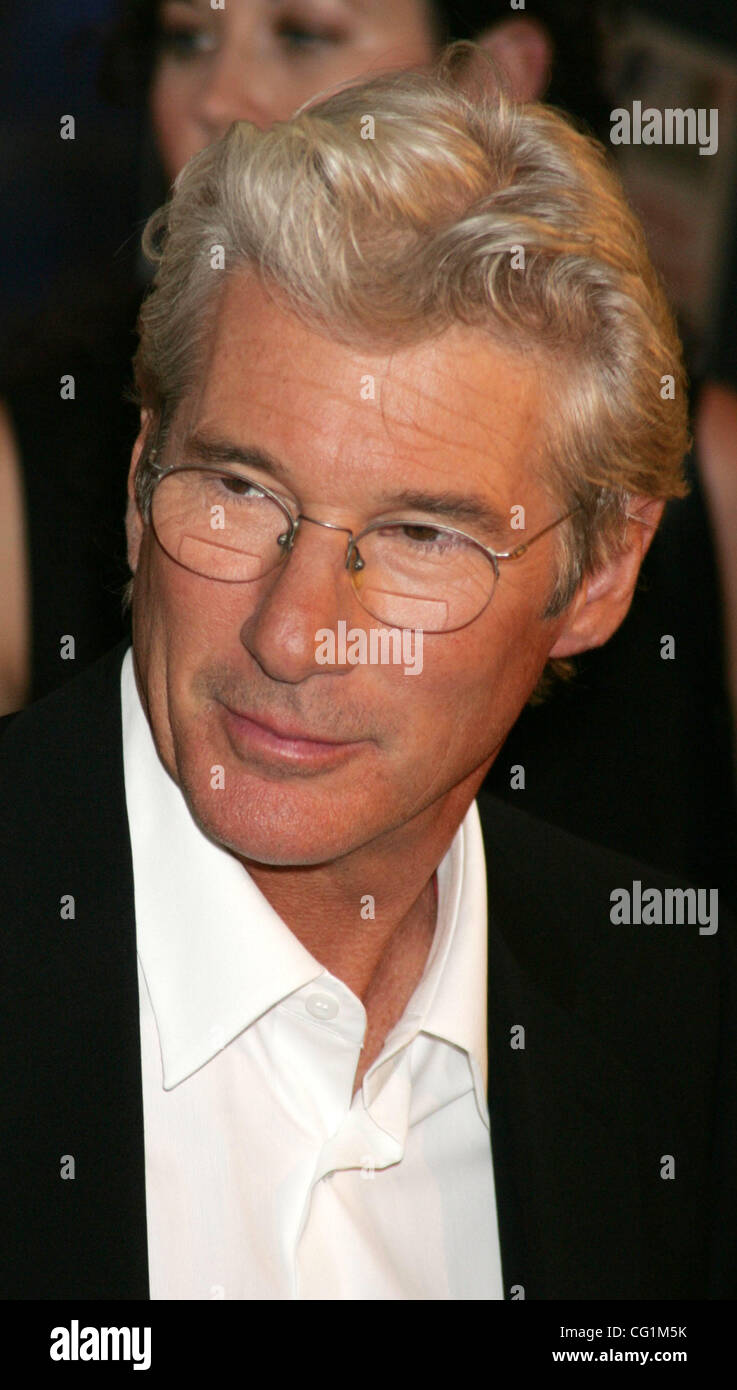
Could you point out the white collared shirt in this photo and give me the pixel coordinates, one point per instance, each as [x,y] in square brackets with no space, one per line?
[265,1177]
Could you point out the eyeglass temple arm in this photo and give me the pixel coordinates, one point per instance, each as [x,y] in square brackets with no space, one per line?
[520,550]
[150,461]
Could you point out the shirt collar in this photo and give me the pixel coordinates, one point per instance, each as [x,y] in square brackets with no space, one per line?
[215,954]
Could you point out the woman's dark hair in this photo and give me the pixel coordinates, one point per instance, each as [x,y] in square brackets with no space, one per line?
[129,51]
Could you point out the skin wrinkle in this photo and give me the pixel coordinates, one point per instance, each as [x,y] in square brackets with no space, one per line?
[404,420]
[468,511]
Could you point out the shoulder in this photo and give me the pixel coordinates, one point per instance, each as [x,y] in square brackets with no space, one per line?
[553,863]
[609,936]
[97,681]
[58,750]
[63,821]
[545,858]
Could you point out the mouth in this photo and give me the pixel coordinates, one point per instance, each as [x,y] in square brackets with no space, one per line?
[262,738]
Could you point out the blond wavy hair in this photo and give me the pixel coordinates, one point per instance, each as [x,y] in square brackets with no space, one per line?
[390,210]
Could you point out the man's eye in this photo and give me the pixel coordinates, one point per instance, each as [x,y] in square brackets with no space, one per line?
[421,533]
[427,538]
[243,490]
[238,487]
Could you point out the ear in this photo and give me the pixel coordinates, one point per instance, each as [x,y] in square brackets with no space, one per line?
[133,518]
[603,600]
[523,50]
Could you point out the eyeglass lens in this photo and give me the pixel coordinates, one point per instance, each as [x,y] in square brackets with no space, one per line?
[412,576]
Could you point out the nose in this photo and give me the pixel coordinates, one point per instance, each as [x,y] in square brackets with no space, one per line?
[310,591]
[236,88]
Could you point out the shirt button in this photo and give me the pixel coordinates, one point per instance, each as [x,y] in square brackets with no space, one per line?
[323,1006]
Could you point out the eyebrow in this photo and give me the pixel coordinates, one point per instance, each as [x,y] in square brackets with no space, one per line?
[202,448]
[448,505]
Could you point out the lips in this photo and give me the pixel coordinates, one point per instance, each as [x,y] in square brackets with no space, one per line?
[259,741]
[287,734]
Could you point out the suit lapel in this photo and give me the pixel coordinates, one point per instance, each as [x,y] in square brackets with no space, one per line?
[84,1235]
[112,1094]
[561,1108]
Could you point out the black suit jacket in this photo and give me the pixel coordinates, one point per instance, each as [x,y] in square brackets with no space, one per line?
[629,1045]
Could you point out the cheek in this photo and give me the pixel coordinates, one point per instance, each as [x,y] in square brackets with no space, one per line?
[197,620]
[174,126]
[394,48]
[411,49]
[175,612]
[380,51]
[480,682]
[177,630]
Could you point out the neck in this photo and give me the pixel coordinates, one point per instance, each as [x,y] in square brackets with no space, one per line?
[361,916]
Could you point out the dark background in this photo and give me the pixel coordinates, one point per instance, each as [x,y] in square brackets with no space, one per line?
[83,202]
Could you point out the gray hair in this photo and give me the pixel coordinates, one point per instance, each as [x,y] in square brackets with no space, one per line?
[397,207]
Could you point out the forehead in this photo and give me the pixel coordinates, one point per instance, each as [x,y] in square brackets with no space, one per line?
[457,406]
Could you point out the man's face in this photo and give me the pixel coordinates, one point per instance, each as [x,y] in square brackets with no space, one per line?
[379,748]
[258,60]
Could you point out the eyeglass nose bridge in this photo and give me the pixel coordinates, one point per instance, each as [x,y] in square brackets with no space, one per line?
[288,538]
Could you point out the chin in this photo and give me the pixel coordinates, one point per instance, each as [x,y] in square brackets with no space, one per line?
[271,812]
[276,824]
